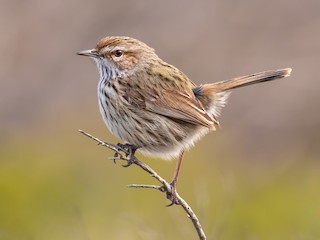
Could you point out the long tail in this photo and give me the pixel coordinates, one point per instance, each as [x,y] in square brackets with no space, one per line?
[213,96]
[246,80]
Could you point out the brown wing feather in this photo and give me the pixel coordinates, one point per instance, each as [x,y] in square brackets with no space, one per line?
[180,106]
[167,92]
[173,104]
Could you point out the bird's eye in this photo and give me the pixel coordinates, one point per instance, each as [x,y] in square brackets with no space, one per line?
[118,53]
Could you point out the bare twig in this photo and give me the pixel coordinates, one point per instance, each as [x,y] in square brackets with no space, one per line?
[160,188]
[122,154]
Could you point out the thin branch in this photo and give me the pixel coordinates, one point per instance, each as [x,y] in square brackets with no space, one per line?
[122,154]
[160,188]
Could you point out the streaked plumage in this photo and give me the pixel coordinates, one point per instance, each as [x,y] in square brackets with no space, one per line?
[151,104]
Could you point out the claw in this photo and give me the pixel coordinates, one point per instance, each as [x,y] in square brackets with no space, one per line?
[171,204]
[122,147]
[128,164]
[115,157]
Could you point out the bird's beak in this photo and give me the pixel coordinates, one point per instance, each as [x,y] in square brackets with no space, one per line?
[89,53]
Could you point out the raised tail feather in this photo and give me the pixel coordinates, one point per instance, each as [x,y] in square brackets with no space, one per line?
[246,80]
[213,96]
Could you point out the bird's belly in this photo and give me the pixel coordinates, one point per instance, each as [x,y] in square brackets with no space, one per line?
[152,133]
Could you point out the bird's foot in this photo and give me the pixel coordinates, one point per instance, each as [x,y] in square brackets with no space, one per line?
[172,195]
[129,150]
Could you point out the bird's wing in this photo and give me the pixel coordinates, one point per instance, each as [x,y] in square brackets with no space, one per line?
[178,105]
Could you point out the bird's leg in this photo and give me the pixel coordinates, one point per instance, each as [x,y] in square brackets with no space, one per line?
[172,196]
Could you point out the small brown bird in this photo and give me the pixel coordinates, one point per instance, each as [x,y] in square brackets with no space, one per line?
[154,107]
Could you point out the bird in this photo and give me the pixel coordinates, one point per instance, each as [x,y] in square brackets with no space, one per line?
[152,106]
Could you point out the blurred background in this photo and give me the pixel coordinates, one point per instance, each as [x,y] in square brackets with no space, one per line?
[258,177]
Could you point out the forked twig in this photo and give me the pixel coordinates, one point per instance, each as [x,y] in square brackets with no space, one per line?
[121,154]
